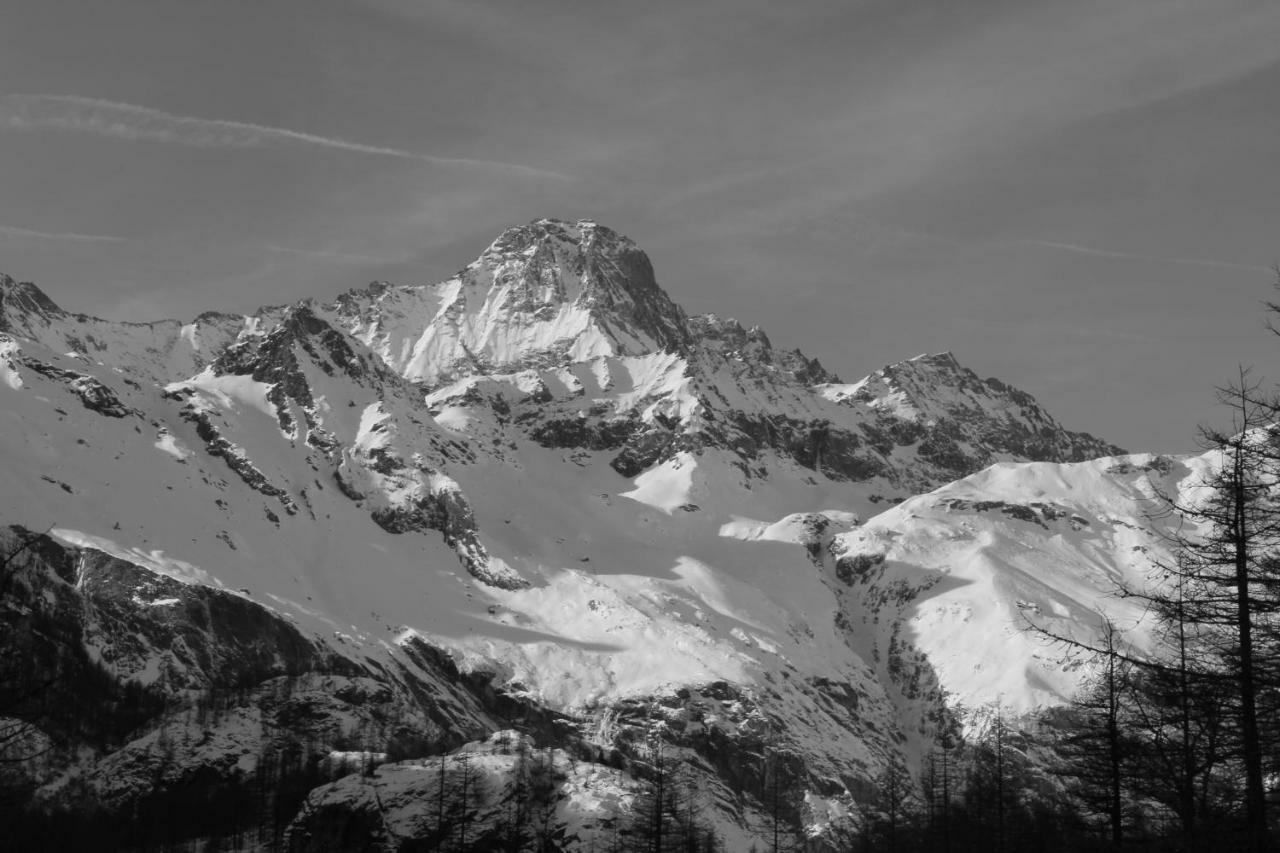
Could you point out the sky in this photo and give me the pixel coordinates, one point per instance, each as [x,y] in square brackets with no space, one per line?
[1080,198]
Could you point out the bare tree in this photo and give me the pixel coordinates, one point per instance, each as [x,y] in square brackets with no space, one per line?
[889,819]
[1228,572]
[937,786]
[18,689]
[1096,750]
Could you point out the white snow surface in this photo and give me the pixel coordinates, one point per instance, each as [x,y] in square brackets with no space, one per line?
[8,370]
[229,391]
[699,569]
[502,310]
[168,444]
[991,574]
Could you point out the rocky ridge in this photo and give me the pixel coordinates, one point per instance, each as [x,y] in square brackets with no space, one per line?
[535,495]
[563,332]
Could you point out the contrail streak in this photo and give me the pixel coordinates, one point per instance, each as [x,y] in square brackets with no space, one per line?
[130,121]
[346,257]
[12,231]
[1134,256]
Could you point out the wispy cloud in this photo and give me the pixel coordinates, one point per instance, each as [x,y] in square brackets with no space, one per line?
[13,232]
[1136,256]
[129,121]
[344,257]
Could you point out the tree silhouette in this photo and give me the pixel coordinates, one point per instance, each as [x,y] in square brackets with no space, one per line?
[1227,577]
[1096,751]
[20,689]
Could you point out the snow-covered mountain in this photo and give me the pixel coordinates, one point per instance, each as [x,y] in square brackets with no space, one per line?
[540,495]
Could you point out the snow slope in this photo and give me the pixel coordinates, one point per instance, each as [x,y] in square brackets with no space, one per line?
[544,468]
[1020,545]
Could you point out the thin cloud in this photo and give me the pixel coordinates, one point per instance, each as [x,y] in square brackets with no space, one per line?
[1135,256]
[27,233]
[129,121]
[345,257]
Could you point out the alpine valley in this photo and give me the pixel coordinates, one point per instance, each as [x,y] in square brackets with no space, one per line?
[285,581]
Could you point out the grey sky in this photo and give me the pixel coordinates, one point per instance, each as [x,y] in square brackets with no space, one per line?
[1078,197]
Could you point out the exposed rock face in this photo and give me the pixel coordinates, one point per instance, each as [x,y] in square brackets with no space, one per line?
[650,383]
[274,359]
[986,414]
[543,295]
[95,396]
[23,306]
[949,422]
[218,445]
[615,280]
[172,697]
[751,354]
[536,496]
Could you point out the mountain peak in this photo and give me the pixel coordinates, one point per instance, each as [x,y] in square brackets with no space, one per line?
[922,375]
[543,294]
[931,388]
[586,506]
[26,295]
[937,359]
[940,366]
[19,301]
[581,233]
[752,347]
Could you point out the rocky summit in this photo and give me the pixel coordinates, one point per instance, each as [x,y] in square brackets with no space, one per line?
[488,557]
